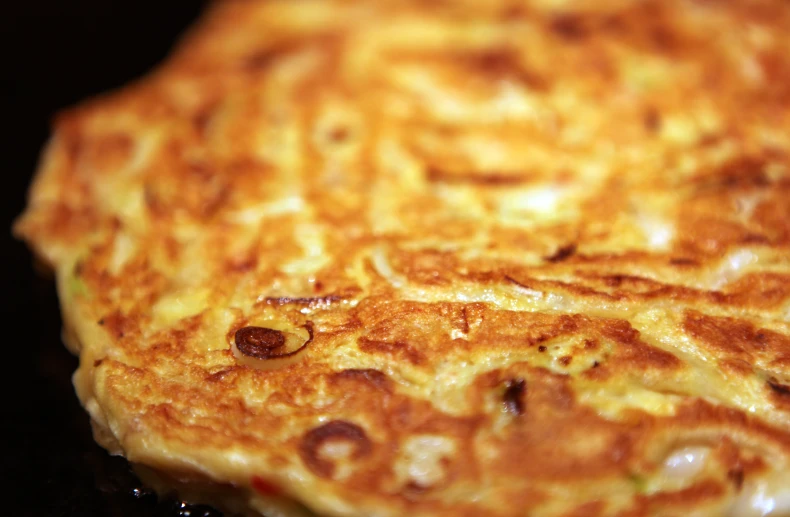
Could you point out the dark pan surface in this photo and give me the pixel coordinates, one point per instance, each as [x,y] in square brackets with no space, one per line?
[54,54]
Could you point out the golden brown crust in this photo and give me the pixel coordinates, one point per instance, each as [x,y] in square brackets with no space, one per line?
[531,249]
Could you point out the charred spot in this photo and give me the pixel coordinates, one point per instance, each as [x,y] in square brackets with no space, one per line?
[565,360]
[779,388]
[513,398]
[101,322]
[97,363]
[562,253]
[590,344]
[259,342]
[541,348]
[596,364]
[569,27]
[336,430]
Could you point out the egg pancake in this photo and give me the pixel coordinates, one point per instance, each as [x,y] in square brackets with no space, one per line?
[465,258]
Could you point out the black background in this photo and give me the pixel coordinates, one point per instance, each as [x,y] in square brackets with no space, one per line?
[53,54]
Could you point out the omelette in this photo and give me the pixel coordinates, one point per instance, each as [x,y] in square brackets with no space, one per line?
[454,257]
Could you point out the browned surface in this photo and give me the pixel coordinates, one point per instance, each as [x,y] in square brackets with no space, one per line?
[547,245]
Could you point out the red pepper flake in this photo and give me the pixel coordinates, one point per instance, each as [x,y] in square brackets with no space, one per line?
[265,487]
